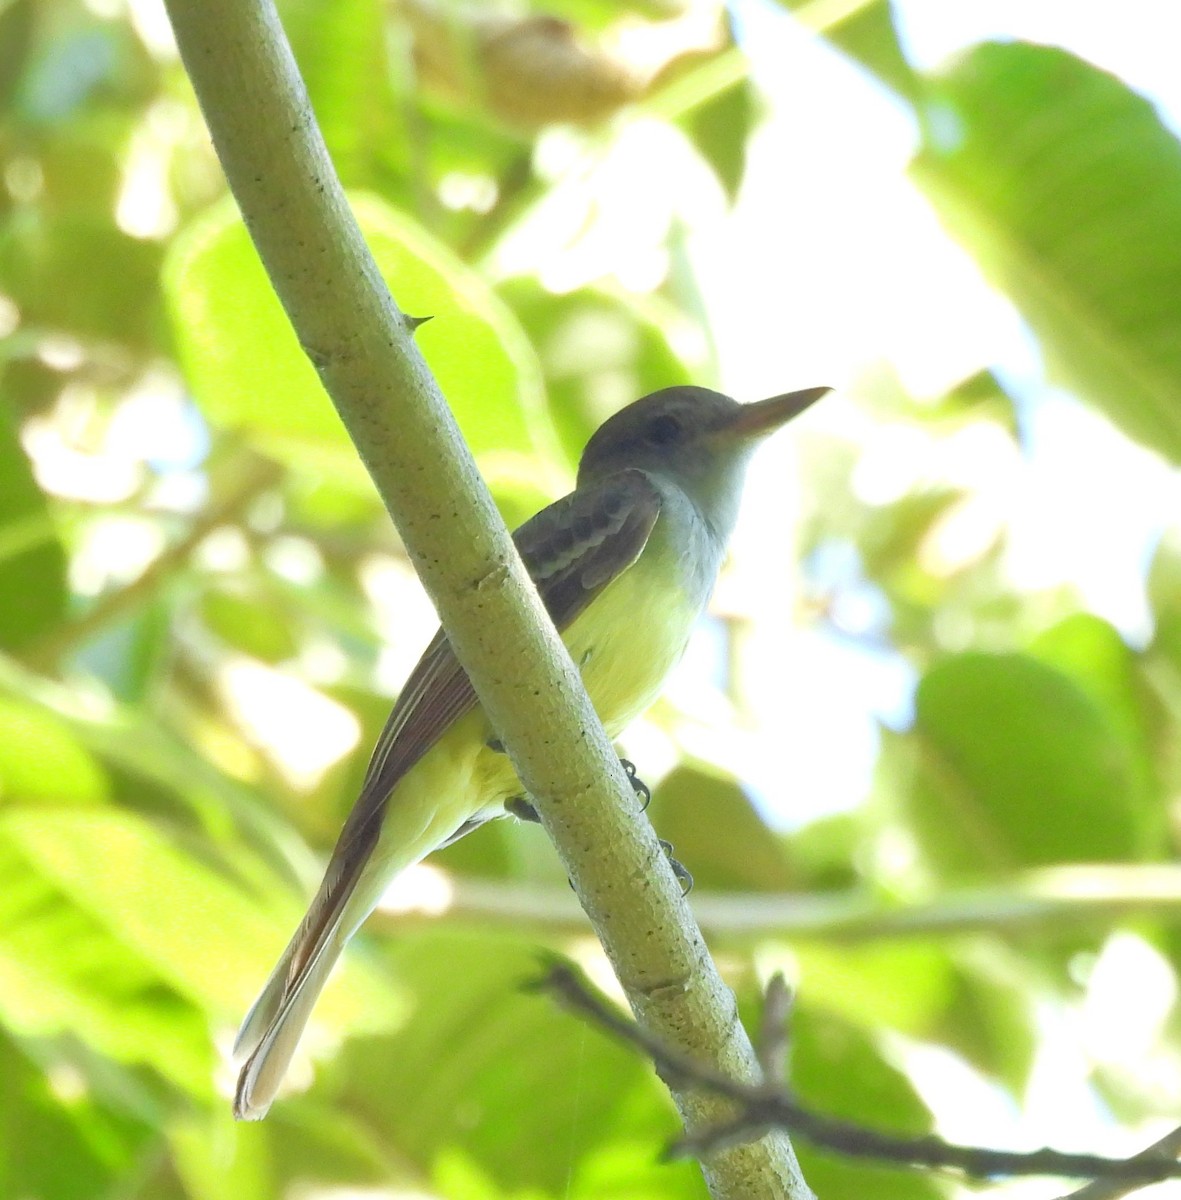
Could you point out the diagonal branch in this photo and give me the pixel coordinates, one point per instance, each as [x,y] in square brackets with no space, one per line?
[1113,1189]
[278,168]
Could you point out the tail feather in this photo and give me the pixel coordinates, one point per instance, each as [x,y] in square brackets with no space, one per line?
[350,889]
[272,1028]
[265,1007]
[275,1022]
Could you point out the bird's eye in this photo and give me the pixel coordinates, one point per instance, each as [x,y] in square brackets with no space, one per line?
[664,430]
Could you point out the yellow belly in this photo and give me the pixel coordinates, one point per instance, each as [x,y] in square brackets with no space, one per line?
[625,645]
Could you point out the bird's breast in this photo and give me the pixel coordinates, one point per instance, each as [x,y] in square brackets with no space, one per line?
[631,636]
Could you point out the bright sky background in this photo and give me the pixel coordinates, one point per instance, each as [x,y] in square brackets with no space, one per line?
[832,268]
[794,304]
[863,275]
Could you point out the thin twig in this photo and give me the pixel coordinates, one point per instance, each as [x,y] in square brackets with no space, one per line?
[1113,1189]
[1050,899]
[769,1106]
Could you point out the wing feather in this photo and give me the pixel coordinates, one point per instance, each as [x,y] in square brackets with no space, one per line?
[573,549]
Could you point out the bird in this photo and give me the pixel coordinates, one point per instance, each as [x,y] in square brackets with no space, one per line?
[625,564]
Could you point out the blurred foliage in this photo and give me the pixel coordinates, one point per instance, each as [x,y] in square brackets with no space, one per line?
[203,611]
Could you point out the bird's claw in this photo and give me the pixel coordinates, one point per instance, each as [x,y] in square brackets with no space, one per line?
[640,788]
[683,875]
[523,810]
[519,807]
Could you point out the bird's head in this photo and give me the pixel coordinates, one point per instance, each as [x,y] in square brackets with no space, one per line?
[698,439]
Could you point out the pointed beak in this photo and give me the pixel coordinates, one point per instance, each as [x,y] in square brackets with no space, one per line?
[758,420]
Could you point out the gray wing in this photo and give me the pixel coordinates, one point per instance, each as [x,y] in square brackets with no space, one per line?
[572,549]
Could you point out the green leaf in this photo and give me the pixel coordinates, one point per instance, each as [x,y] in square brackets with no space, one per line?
[507,1078]
[59,271]
[41,762]
[866,33]
[599,351]
[899,985]
[17,25]
[1164,596]
[308,1140]
[1091,652]
[33,590]
[1066,187]
[624,1170]
[837,1069]
[717,833]
[597,15]
[1020,766]
[719,129]
[58,1143]
[132,652]
[250,621]
[988,1017]
[216,1165]
[322,502]
[182,915]
[344,59]
[62,970]
[501,850]
[824,852]
[247,370]
[978,397]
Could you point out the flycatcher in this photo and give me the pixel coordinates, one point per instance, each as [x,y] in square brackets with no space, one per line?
[624,564]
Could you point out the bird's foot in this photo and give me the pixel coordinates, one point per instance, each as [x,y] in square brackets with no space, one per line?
[523,810]
[640,788]
[683,875]
[519,807]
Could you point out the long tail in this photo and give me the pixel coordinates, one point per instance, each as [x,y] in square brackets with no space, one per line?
[352,885]
[273,1026]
